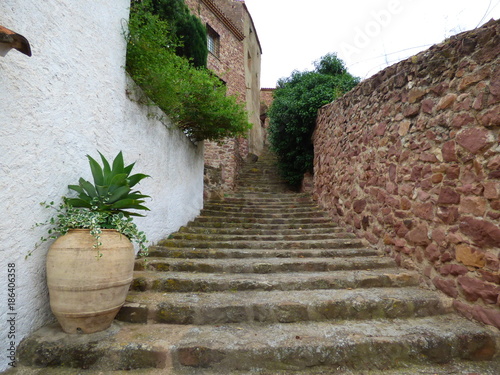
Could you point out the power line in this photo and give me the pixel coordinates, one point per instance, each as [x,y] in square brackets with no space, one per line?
[488,11]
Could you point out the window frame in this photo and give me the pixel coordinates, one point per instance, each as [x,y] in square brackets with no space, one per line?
[213,41]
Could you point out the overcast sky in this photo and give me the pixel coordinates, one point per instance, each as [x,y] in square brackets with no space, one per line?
[367,34]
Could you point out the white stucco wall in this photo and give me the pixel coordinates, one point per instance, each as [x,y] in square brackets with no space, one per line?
[68,100]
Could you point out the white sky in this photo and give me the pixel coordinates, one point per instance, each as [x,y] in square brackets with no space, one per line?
[367,34]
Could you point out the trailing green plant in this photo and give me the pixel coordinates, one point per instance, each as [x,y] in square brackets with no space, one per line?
[193,98]
[294,110]
[68,217]
[104,204]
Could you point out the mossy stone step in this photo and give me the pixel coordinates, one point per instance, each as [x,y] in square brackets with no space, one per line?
[271,208]
[302,244]
[356,345]
[199,223]
[285,214]
[275,209]
[261,199]
[190,253]
[268,220]
[283,307]
[264,232]
[266,197]
[270,265]
[301,236]
[228,348]
[456,367]
[179,282]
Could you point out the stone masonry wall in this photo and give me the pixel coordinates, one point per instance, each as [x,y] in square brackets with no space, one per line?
[266,99]
[222,160]
[410,160]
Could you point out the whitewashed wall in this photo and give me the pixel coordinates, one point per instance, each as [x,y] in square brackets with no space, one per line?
[68,100]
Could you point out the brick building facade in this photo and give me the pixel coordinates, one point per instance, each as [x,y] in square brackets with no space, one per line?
[234,55]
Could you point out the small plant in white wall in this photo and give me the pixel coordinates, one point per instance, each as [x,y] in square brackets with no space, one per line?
[90,265]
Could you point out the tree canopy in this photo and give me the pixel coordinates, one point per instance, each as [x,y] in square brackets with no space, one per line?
[294,110]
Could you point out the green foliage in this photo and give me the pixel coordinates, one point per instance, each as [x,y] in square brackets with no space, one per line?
[67,217]
[112,189]
[105,204]
[294,110]
[190,34]
[193,98]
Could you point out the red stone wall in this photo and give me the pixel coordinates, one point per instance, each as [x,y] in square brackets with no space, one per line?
[410,160]
[230,64]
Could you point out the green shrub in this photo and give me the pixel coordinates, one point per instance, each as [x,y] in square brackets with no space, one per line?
[190,34]
[294,110]
[193,98]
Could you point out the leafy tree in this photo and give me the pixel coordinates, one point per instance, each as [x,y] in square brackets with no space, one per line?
[294,110]
[186,30]
[193,98]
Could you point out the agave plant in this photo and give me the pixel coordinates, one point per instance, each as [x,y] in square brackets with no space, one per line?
[111,191]
[105,204]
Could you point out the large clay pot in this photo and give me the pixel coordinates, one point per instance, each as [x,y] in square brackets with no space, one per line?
[86,291]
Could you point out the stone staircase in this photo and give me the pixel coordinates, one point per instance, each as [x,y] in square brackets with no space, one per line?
[263,282]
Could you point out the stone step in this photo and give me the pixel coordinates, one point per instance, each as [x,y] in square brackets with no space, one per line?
[454,367]
[190,253]
[264,232]
[264,220]
[216,282]
[284,214]
[252,177]
[264,348]
[363,345]
[302,244]
[282,307]
[256,199]
[261,237]
[199,223]
[263,189]
[271,209]
[250,180]
[265,198]
[265,265]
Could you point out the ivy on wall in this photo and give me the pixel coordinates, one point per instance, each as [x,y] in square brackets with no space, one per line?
[193,97]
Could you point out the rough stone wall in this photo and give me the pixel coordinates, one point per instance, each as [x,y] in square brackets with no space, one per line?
[229,65]
[266,99]
[66,101]
[222,162]
[252,52]
[410,159]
